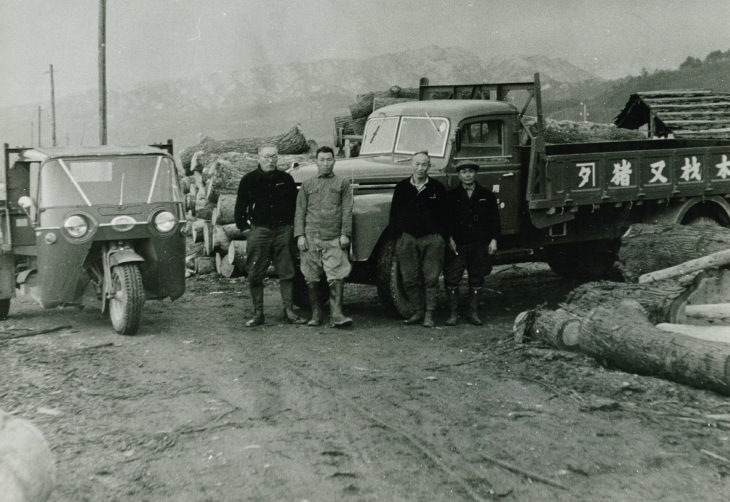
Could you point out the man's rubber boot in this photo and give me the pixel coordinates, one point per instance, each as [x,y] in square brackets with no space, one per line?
[415,318]
[337,318]
[313,290]
[474,306]
[257,298]
[428,319]
[287,291]
[452,295]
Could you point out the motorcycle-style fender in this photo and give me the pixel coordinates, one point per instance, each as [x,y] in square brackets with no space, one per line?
[119,256]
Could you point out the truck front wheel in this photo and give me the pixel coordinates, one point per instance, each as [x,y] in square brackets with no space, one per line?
[388,280]
[584,261]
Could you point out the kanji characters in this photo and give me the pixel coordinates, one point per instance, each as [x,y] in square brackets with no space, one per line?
[691,169]
[656,169]
[587,173]
[723,170]
[621,173]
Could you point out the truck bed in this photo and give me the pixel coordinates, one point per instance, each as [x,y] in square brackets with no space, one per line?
[620,171]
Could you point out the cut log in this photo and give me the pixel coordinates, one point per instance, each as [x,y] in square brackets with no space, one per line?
[196,230]
[215,238]
[663,302]
[232,232]
[624,338]
[646,248]
[225,208]
[714,260]
[558,328]
[292,142]
[204,265]
[710,333]
[712,313]
[237,255]
[203,209]
[225,268]
[363,106]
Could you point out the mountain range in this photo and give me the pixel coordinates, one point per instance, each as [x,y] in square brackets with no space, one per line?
[270,99]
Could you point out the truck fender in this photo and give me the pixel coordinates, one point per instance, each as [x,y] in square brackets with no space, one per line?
[715,206]
[120,256]
[370,217]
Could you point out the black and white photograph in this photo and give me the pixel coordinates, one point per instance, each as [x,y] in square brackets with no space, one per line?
[359,251]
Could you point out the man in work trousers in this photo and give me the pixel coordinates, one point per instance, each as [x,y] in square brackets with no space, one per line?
[322,227]
[266,202]
[474,229]
[418,214]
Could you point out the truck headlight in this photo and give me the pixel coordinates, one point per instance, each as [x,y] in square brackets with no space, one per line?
[164,221]
[76,226]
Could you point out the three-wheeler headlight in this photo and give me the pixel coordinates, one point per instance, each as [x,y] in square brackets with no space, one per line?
[164,221]
[76,226]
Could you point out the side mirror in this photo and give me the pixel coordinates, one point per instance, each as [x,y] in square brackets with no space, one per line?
[28,206]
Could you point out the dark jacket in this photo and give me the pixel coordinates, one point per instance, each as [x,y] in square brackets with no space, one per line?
[265,199]
[475,219]
[419,213]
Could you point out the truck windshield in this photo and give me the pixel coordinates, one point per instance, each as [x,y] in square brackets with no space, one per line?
[408,136]
[379,135]
[107,180]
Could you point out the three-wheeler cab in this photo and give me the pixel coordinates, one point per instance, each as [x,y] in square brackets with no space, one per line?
[109,217]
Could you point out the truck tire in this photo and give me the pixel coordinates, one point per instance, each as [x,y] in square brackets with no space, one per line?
[125,308]
[583,261]
[388,280]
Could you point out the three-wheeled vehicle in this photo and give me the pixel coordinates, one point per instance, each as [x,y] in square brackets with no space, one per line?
[107,217]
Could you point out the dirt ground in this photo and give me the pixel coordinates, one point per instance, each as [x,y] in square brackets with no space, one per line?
[198,408]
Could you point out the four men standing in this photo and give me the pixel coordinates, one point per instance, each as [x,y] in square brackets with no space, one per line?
[437,231]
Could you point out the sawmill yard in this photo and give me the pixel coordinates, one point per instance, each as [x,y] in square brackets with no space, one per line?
[198,408]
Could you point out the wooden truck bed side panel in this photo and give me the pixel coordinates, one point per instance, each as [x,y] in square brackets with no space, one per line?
[596,177]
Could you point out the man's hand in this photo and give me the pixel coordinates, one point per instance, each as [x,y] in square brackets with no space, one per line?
[344,241]
[492,246]
[302,243]
[452,246]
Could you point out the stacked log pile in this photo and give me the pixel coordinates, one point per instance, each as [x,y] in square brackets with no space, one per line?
[669,322]
[215,169]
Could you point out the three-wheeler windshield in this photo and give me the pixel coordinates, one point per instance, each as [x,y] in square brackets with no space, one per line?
[107,181]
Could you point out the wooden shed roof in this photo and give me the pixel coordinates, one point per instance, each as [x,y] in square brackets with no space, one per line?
[688,113]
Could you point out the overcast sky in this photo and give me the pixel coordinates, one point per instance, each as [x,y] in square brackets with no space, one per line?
[157,39]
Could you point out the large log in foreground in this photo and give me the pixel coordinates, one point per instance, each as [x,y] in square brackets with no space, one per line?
[624,338]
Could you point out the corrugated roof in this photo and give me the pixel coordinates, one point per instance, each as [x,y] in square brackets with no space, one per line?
[687,113]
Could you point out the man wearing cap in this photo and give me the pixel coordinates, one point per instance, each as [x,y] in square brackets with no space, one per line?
[266,202]
[474,228]
[418,214]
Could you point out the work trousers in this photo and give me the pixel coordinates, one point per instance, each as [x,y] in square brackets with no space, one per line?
[266,245]
[324,256]
[420,260]
[474,258]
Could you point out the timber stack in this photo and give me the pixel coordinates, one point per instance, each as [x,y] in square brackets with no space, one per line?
[213,171]
[671,318]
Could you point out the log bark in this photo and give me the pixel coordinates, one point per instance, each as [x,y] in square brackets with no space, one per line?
[196,230]
[215,238]
[558,328]
[237,255]
[625,339]
[713,313]
[225,208]
[646,248]
[291,142]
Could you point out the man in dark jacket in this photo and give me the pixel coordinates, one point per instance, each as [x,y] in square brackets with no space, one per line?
[474,229]
[418,213]
[266,202]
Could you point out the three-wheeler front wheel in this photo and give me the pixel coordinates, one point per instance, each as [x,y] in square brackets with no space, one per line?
[125,307]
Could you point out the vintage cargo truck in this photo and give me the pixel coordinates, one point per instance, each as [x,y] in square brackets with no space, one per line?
[566,204]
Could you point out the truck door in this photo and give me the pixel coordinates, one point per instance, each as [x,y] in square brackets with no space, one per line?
[484,141]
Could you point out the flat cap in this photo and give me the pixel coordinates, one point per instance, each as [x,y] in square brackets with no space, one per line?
[466,164]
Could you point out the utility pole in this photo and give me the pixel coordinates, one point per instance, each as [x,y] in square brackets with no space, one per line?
[53,108]
[39,125]
[102,72]
[32,131]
